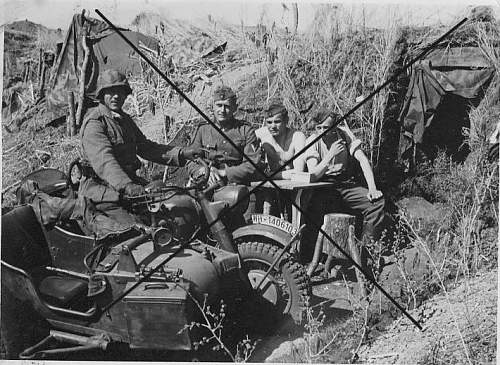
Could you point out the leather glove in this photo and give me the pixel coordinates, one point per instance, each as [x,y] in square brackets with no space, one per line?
[190,153]
[132,189]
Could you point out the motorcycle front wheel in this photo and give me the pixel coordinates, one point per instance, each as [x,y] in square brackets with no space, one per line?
[285,288]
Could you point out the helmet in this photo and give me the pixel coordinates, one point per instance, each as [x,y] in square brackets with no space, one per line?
[111,78]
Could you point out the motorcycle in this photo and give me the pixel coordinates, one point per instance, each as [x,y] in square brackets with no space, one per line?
[139,287]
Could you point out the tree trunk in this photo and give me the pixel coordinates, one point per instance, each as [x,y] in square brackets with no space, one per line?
[40,64]
[41,85]
[71,121]
[337,227]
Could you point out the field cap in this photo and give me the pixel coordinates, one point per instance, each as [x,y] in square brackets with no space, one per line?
[223,92]
[109,79]
[322,114]
[275,108]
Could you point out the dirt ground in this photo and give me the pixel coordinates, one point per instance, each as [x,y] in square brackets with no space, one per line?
[459,327]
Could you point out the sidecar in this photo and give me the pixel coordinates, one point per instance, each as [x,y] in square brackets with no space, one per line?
[93,293]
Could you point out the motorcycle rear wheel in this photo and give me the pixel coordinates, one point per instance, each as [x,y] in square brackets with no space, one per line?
[286,286]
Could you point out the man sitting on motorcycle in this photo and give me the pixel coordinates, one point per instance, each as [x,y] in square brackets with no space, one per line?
[110,144]
[229,165]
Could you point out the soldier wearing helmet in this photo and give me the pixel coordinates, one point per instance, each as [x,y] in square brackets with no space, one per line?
[110,144]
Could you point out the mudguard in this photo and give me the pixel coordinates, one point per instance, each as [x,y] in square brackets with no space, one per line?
[260,230]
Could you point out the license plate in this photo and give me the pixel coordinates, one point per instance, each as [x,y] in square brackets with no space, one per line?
[270,220]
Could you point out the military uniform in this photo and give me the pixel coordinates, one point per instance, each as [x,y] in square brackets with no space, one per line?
[110,143]
[238,169]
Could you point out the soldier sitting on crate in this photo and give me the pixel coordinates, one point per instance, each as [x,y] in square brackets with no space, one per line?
[110,143]
[334,158]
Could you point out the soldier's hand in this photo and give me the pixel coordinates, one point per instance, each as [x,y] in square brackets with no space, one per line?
[191,153]
[374,195]
[132,189]
[336,148]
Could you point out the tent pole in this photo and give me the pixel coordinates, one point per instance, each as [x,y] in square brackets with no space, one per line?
[82,81]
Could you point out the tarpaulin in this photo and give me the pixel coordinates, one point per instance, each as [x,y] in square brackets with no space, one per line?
[107,50]
[460,71]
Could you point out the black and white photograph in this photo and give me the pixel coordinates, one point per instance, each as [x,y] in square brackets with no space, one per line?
[263,182]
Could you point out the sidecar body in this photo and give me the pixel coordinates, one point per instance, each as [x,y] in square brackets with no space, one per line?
[93,292]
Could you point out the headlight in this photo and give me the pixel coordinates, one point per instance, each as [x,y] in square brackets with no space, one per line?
[162,238]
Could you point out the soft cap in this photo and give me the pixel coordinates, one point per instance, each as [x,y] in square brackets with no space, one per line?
[223,92]
[322,114]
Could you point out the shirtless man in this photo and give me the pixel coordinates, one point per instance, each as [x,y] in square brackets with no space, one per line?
[279,142]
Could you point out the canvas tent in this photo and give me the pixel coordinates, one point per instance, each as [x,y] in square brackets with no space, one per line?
[107,50]
[441,89]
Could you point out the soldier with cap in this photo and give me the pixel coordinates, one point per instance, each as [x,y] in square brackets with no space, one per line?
[233,167]
[110,144]
[280,142]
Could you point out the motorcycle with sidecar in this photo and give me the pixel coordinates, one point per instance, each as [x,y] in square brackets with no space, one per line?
[140,287]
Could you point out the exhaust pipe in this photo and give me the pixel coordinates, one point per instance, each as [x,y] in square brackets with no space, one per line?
[44,350]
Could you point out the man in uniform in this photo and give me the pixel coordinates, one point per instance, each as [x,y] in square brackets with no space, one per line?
[233,167]
[110,143]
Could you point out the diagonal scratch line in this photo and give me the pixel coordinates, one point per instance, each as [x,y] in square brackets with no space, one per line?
[269,178]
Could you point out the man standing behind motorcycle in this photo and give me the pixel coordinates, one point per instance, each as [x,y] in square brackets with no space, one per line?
[110,143]
[233,167]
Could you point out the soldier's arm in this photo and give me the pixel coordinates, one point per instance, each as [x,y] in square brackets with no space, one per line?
[317,166]
[156,152]
[99,151]
[246,172]
[366,167]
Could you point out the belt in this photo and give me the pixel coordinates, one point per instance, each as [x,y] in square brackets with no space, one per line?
[88,171]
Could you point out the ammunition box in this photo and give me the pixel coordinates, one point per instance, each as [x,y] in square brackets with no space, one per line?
[156,313]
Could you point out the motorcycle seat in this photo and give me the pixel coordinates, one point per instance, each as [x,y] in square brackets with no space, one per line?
[60,290]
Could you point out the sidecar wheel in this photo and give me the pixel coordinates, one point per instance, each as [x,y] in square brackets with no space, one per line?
[285,288]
